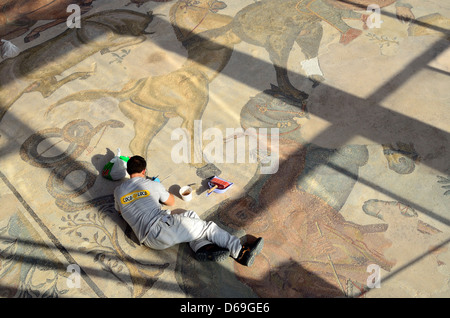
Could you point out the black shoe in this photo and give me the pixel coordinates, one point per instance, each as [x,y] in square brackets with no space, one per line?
[212,252]
[249,251]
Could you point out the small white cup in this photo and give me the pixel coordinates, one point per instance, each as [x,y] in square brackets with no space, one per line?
[186,193]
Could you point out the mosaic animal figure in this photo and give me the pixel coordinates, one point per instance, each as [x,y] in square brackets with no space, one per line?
[36,68]
[151,101]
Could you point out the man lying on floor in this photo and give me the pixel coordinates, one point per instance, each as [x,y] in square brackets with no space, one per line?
[139,200]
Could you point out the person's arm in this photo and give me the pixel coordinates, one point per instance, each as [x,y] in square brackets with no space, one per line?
[165,197]
[170,201]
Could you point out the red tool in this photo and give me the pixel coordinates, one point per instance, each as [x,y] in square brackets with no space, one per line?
[218,185]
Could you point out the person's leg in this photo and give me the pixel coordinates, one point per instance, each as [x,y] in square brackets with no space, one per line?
[204,249]
[199,243]
[199,233]
[189,228]
[211,233]
[203,240]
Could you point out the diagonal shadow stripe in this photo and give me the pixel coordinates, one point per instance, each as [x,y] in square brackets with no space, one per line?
[52,237]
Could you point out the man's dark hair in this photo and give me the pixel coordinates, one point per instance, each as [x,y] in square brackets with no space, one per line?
[136,164]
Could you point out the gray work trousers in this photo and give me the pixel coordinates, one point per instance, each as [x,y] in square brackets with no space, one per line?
[172,229]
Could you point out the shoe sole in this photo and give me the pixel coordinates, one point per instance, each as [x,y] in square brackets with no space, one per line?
[216,256]
[259,243]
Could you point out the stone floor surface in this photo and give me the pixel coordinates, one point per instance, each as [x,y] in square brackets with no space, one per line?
[330,117]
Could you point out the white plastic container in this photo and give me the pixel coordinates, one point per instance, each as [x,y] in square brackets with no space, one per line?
[186,193]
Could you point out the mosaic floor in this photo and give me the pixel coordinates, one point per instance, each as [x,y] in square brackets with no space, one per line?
[330,117]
